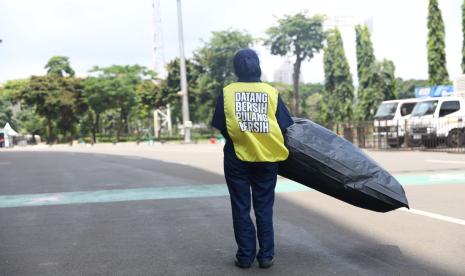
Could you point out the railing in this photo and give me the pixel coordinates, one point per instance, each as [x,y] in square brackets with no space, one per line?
[443,134]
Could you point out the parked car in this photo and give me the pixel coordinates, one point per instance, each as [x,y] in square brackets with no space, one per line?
[390,120]
[436,121]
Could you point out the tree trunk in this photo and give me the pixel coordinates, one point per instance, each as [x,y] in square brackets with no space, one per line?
[118,127]
[138,132]
[49,128]
[295,81]
[34,138]
[95,128]
[70,138]
[127,125]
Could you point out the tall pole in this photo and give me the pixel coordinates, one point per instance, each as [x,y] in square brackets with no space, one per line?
[154,37]
[185,100]
[158,59]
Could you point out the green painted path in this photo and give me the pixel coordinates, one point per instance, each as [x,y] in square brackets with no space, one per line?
[193,191]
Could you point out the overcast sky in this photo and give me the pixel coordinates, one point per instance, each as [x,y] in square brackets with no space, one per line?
[105,32]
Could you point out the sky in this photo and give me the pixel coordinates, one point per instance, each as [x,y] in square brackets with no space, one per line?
[106,32]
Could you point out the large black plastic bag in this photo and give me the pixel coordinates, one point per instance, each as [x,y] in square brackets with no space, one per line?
[323,161]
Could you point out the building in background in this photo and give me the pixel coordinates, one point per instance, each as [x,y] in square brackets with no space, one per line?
[284,73]
[348,21]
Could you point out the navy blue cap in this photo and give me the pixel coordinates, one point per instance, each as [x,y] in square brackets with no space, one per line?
[247,66]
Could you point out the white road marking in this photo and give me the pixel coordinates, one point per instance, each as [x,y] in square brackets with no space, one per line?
[435,216]
[446,177]
[444,161]
[46,199]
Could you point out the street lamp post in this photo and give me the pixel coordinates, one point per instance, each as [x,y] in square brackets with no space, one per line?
[185,100]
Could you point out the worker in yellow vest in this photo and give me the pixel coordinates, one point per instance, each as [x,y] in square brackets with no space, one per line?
[252,118]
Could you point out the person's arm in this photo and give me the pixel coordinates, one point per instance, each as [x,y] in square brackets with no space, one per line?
[283,116]
[219,119]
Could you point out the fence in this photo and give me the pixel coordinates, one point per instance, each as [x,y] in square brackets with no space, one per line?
[444,134]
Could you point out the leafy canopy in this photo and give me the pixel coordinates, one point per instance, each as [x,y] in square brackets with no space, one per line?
[59,66]
[298,35]
[339,89]
[437,69]
[301,37]
[215,60]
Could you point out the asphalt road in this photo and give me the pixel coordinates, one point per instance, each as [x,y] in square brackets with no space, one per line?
[126,210]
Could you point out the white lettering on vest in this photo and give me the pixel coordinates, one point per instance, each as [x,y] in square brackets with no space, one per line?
[252,111]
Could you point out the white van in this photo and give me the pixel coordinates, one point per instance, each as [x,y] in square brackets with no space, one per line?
[436,121]
[390,120]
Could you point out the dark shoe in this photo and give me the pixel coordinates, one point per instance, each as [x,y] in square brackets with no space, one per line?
[265,264]
[242,265]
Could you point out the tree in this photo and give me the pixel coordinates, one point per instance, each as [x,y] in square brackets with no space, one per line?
[215,65]
[145,101]
[58,100]
[29,122]
[382,85]
[5,111]
[146,98]
[56,97]
[387,83]
[59,66]
[437,69]
[365,55]
[116,85]
[376,80]
[25,120]
[309,94]
[318,108]
[307,90]
[10,95]
[97,93]
[339,89]
[406,88]
[463,39]
[301,36]
[12,89]
[285,91]
[368,97]
[168,93]
[71,106]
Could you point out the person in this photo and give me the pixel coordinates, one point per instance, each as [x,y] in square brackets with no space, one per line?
[252,118]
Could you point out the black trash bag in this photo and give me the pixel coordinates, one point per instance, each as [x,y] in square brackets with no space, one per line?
[323,161]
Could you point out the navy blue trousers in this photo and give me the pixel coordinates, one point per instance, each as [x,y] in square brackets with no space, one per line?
[251,181]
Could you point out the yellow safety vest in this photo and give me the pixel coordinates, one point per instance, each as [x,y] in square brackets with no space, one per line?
[250,111]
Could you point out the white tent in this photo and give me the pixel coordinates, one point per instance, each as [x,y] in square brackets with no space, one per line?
[8,134]
[9,130]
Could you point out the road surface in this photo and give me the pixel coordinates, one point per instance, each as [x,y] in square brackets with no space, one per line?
[164,210]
